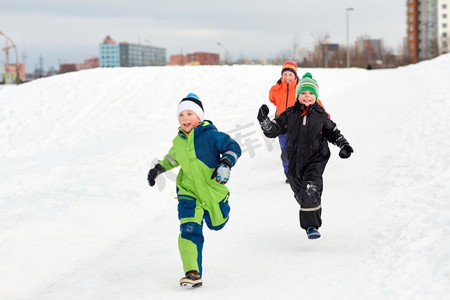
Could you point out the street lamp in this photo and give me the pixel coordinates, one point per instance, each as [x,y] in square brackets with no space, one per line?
[348,47]
[227,55]
[17,56]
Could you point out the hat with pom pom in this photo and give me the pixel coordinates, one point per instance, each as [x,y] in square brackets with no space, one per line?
[289,66]
[307,83]
[192,102]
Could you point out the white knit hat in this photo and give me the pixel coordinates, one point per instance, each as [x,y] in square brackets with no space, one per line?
[192,102]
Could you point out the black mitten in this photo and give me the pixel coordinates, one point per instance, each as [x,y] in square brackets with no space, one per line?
[153,173]
[263,112]
[346,151]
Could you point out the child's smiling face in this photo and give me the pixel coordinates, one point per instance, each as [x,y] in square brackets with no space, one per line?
[288,77]
[188,119]
[307,98]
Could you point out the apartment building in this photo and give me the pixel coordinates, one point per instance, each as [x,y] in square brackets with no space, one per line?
[124,54]
[428,28]
[443,26]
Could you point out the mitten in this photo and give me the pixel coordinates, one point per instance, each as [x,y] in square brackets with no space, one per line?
[263,112]
[222,172]
[263,119]
[153,173]
[346,151]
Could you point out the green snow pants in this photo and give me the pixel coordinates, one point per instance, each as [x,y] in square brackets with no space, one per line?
[191,213]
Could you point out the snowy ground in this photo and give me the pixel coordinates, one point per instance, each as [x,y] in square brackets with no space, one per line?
[78,220]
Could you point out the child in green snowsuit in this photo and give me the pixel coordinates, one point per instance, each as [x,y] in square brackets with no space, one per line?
[206,156]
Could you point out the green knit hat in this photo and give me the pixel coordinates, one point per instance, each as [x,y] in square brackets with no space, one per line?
[307,83]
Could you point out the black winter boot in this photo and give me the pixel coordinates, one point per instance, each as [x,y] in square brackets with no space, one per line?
[313,233]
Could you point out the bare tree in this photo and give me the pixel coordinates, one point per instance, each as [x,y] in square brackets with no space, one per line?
[290,52]
[295,47]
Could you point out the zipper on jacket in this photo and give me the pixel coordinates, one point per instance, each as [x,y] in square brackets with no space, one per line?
[287,95]
[304,114]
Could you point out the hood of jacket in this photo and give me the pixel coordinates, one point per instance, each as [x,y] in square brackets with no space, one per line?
[199,130]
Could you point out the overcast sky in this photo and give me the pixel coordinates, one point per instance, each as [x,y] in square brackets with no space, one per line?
[70,31]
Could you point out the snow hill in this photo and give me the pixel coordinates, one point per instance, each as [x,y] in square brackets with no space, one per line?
[78,220]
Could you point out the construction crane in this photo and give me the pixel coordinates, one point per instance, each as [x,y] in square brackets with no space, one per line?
[6,49]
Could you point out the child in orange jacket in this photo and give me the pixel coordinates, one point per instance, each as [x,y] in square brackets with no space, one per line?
[282,95]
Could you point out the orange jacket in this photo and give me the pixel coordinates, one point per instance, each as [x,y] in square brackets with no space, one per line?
[282,95]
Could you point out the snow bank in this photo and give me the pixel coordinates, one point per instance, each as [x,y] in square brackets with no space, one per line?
[78,221]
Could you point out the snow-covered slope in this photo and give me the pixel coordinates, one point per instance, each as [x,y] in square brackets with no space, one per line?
[78,220]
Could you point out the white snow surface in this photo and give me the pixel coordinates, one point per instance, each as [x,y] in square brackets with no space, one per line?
[79,221]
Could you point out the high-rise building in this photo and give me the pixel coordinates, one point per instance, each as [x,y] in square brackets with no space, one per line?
[444,26]
[412,29]
[130,55]
[428,28]
[369,49]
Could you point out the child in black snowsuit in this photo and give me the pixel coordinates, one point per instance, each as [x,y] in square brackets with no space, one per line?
[309,129]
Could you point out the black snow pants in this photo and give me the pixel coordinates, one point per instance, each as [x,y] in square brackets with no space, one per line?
[307,188]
